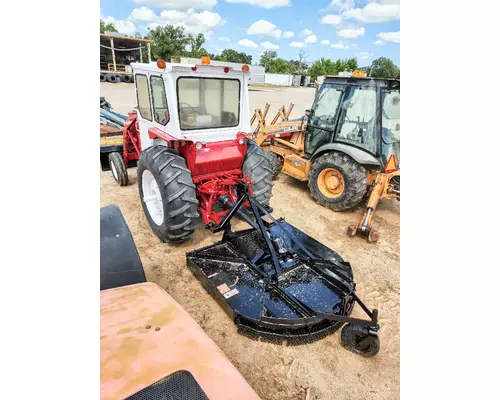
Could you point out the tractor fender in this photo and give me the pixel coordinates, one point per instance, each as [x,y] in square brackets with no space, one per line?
[360,156]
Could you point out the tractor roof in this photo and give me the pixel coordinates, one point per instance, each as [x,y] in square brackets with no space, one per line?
[180,67]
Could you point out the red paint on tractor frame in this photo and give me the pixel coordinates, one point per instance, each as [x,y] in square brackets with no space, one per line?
[131,138]
[215,167]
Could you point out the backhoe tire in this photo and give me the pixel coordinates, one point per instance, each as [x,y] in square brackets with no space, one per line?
[332,168]
[167,193]
[118,168]
[256,166]
[274,163]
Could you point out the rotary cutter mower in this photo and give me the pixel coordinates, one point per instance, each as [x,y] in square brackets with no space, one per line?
[278,283]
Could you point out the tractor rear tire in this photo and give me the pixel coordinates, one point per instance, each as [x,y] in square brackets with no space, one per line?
[275,163]
[351,178]
[256,165]
[171,206]
[118,168]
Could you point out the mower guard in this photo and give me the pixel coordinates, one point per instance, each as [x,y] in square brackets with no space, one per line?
[274,280]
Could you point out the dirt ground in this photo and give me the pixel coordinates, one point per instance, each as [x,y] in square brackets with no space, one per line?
[318,371]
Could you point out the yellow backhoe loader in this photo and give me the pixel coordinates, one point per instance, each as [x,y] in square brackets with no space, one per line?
[347,146]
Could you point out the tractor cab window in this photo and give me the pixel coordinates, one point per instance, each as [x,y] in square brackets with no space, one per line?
[159,97]
[321,122]
[208,103]
[359,118]
[143,102]
[390,116]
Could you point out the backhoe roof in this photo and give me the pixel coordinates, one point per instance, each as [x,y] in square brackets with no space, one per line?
[383,82]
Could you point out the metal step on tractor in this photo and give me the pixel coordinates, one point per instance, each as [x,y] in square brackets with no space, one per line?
[346,146]
[189,135]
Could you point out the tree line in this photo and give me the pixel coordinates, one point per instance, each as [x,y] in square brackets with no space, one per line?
[168,41]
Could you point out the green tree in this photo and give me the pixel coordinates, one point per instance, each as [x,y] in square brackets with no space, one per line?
[324,66]
[167,41]
[279,66]
[267,57]
[107,27]
[383,68]
[350,64]
[196,43]
[230,55]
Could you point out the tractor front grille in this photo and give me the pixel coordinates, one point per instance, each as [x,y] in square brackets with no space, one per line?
[180,385]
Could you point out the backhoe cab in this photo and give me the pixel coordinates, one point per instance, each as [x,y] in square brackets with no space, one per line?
[345,145]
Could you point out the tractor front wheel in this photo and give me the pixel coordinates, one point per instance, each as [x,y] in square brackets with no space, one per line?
[167,193]
[256,166]
[337,181]
[118,168]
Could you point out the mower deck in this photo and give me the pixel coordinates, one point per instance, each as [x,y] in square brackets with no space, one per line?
[275,281]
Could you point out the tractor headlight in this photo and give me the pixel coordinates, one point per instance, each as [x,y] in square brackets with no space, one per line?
[198,145]
[241,140]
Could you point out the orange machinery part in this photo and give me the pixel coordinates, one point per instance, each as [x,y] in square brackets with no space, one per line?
[134,357]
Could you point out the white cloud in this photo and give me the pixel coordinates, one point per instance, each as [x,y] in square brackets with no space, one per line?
[248,43]
[326,41]
[305,32]
[297,44]
[288,35]
[205,22]
[342,5]
[143,14]
[263,3]
[373,12]
[379,42]
[339,46]
[121,26]
[264,28]
[311,39]
[224,39]
[351,33]
[179,4]
[364,55]
[331,19]
[269,46]
[389,36]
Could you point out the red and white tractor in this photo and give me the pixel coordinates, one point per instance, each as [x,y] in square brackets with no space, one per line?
[189,135]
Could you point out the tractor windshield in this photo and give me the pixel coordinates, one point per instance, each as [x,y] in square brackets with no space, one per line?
[206,103]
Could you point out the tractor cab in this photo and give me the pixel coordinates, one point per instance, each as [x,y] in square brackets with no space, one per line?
[195,102]
[358,112]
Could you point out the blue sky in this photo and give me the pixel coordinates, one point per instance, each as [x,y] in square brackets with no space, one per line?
[366,29]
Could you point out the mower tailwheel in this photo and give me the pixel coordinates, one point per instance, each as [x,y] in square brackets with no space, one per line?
[256,165]
[167,193]
[360,340]
[118,168]
[337,181]
[274,163]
